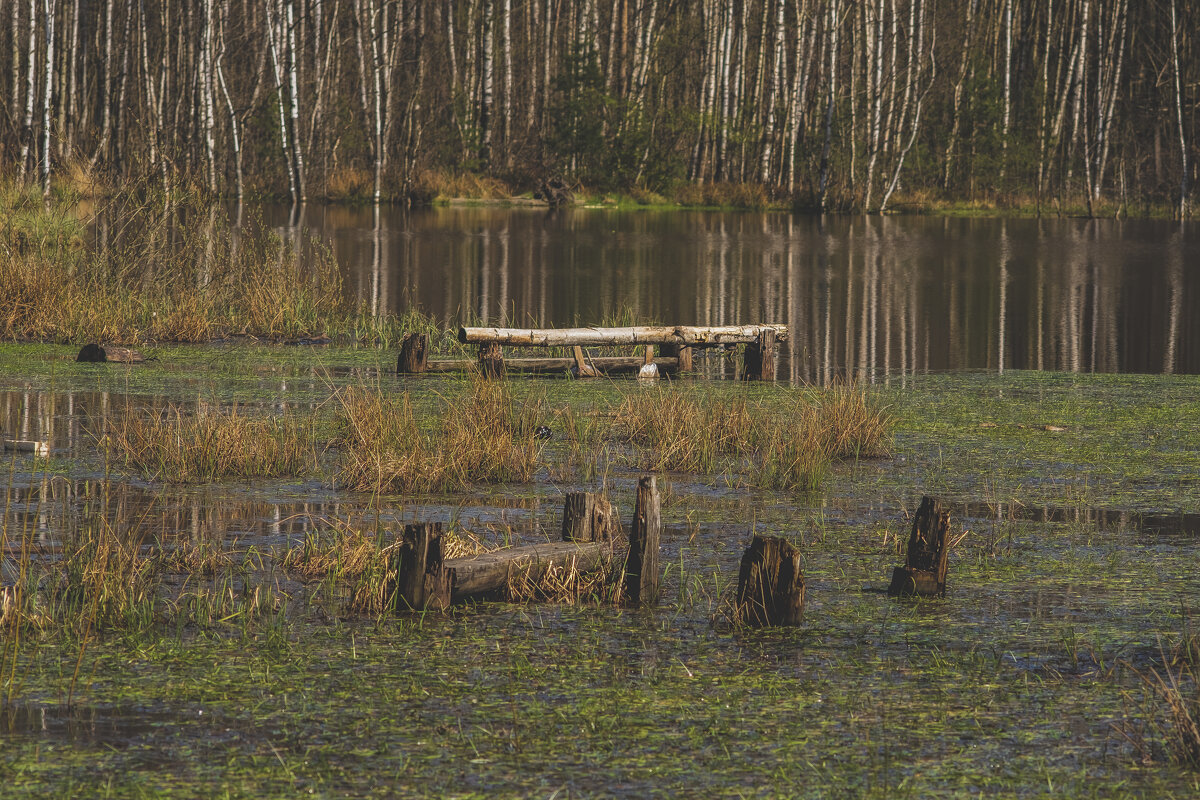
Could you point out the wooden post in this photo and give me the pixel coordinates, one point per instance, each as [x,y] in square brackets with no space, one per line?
[491,360]
[582,368]
[421,580]
[924,570]
[641,567]
[681,352]
[589,517]
[760,358]
[770,584]
[414,354]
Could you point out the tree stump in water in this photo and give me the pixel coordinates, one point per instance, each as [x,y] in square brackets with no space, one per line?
[421,580]
[92,354]
[770,584]
[491,360]
[641,566]
[924,570]
[414,354]
[589,517]
[759,359]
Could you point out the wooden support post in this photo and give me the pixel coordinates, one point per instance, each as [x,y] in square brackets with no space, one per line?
[641,566]
[681,352]
[759,362]
[414,354]
[589,517]
[770,584]
[582,369]
[491,360]
[924,570]
[422,582]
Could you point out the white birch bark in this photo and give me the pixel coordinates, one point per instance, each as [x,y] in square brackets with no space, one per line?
[27,133]
[1183,150]
[50,9]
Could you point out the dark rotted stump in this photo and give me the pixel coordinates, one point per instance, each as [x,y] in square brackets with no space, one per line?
[924,570]
[589,517]
[414,354]
[759,359]
[491,360]
[641,565]
[770,584]
[92,354]
[422,582]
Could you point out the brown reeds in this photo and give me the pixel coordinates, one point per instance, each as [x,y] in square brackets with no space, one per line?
[182,445]
[790,448]
[485,436]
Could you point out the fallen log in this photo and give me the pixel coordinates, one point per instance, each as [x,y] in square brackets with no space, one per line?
[27,446]
[925,568]
[604,364]
[642,334]
[492,572]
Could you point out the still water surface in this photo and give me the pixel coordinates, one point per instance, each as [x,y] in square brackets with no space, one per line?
[865,296]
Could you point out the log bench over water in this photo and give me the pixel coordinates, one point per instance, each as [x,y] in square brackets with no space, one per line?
[675,347]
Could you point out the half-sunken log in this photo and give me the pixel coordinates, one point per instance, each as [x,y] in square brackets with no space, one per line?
[770,584]
[924,570]
[642,334]
[491,572]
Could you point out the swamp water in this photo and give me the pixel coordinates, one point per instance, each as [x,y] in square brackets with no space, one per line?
[1075,496]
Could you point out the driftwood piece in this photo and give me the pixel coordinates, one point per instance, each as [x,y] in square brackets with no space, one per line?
[641,566]
[491,360]
[589,517]
[491,572]
[414,354]
[770,584]
[422,582]
[642,334]
[924,570]
[555,192]
[759,358]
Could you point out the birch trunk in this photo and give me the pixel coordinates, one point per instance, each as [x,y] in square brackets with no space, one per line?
[1183,150]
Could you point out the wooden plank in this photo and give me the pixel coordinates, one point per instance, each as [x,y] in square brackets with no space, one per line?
[490,572]
[606,364]
[642,334]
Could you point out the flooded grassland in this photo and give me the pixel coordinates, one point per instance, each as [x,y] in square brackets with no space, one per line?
[1075,503]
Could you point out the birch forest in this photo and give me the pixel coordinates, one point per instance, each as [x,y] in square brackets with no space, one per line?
[851,105]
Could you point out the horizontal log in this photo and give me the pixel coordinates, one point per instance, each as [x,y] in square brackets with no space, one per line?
[603,363]
[26,446]
[490,572]
[642,334]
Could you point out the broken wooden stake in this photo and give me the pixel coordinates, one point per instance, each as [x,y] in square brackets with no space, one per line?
[414,354]
[491,360]
[759,359]
[582,369]
[589,517]
[924,570]
[770,584]
[641,566]
[422,582]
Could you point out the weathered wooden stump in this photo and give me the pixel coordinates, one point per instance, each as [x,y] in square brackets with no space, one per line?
[759,359]
[770,584]
[422,582]
[491,360]
[414,354]
[924,570]
[589,517]
[681,352]
[92,354]
[641,566]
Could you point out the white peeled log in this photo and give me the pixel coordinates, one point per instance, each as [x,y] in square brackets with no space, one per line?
[641,334]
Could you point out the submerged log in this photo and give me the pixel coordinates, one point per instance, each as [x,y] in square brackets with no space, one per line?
[641,566]
[422,582]
[589,517]
[759,359]
[642,334]
[492,572]
[925,567]
[414,354]
[770,584]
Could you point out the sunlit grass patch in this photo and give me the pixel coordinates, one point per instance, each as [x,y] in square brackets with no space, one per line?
[485,435]
[182,446]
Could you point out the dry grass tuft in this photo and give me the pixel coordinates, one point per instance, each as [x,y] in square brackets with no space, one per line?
[183,447]
[465,185]
[486,436]
[566,585]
